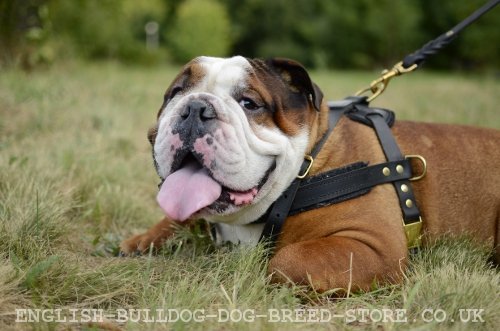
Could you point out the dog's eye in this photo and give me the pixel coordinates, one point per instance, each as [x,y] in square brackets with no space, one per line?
[249,104]
[172,93]
[175,90]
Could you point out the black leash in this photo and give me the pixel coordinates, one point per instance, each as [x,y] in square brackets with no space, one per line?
[433,46]
[412,61]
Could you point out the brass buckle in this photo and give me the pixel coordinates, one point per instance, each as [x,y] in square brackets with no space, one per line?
[311,161]
[424,164]
[413,232]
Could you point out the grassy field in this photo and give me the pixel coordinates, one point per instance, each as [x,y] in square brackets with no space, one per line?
[76,177]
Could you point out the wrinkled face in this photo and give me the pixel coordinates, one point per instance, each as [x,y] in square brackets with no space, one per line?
[231,136]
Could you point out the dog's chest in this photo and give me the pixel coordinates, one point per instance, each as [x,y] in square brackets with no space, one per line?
[248,234]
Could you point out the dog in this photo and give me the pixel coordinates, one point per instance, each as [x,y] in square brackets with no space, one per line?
[231,136]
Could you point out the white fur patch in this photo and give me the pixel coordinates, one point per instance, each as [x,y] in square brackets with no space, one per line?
[248,234]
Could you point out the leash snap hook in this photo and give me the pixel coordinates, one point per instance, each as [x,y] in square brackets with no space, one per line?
[378,86]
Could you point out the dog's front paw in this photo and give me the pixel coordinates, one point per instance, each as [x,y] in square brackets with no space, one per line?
[152,239]
[140,244]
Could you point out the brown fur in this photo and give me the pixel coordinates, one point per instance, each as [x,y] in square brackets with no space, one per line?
[359,241]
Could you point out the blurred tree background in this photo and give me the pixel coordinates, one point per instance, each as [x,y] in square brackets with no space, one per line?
[319,33]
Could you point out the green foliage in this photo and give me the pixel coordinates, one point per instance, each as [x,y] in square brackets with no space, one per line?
[363,33]
[95,27]
[105,29]
[393,30]
[318,33]
[476,46]
[25,34]
[202,27]
[315,32]
[10,13]
[278,28]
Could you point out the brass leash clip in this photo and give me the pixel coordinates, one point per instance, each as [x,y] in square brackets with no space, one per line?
[379,85]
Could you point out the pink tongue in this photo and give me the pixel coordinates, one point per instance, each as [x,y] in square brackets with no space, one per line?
[186,191]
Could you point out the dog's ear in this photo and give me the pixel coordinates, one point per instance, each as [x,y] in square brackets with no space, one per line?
[296,76]
[152,132]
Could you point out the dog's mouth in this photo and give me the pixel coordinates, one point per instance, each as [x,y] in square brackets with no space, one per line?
[191,188]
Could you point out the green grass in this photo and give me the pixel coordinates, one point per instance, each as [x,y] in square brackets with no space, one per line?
[76,177]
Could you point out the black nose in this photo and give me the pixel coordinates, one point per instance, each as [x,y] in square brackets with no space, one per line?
[199,109]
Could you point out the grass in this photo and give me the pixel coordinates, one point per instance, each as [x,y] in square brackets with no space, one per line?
[76,177]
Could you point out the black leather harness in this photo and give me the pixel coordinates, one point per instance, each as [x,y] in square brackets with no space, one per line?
[353,180]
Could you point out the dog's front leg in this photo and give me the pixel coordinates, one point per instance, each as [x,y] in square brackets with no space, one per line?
[154,237]
[337,262]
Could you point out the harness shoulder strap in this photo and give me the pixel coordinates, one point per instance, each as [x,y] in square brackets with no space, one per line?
[381,120]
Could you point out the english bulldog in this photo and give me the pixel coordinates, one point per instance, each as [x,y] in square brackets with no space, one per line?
[231,136]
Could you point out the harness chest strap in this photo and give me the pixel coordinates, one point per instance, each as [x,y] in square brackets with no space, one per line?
[353,180]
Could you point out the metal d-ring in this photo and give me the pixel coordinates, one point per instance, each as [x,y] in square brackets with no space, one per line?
[424,165]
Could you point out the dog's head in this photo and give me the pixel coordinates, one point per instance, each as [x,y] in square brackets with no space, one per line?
[231,136]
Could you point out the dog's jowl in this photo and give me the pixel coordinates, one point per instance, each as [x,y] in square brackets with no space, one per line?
[231,136]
